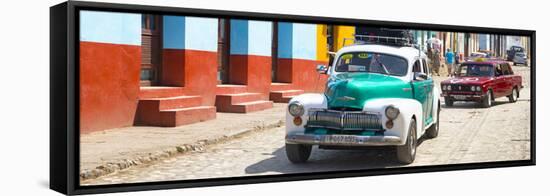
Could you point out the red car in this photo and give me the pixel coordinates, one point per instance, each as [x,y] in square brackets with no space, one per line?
[482,81]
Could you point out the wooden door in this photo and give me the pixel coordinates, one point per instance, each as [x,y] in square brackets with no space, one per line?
[150,49]
[274,50]
[223,50]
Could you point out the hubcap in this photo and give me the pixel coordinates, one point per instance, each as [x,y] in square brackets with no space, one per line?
[413,141]
[489,97]
[515,95]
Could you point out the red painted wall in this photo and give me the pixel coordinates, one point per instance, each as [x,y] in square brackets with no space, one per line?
[302,74]
[109,85]
[194,70]
[201,74]
[253,71]
[173,67]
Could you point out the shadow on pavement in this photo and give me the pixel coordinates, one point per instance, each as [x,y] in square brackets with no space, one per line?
[327,160]
[469,105]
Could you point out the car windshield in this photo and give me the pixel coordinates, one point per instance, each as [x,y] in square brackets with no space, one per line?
[478,55]
[517,49]
[372,63]
[476,70]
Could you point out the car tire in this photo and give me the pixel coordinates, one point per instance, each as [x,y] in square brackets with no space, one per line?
[514,96]
[487,100]
[433,131]
[297,153]
[448,102]
[406,153]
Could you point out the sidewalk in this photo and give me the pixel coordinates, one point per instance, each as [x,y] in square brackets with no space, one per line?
[111,150]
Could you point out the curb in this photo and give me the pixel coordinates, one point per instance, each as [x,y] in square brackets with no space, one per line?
[152,157]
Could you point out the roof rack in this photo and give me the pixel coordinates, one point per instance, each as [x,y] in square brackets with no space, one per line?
[382,40]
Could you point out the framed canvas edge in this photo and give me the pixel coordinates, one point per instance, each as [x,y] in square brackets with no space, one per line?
[64,146]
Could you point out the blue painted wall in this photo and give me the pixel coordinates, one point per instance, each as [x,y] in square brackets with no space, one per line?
[173,32]
[239,37]
[201,33]
[193,33]
[110,27]
[483,41]
[285,40]
[259,37]
[304,42]
[249,37]
[298,41]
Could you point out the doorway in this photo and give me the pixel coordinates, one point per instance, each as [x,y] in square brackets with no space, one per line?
[224,26]
[150,49]
[274,50]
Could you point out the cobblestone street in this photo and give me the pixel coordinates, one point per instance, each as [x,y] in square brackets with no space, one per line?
[467,134]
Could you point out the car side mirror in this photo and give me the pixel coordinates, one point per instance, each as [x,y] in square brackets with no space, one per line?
[420,76]
[322,69]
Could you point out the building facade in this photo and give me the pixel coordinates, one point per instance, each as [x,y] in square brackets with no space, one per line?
[162,70]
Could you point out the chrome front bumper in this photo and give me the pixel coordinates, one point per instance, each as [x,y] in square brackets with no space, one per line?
[342,140]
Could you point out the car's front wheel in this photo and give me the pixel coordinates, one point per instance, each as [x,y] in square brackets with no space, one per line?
[407,152]
[448,102]
[514,96]
[297,153]
[487,100]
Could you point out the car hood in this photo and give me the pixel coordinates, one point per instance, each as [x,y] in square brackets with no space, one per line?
[351,90]
[467,80]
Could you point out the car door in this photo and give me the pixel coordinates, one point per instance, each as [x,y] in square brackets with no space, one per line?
[421,90]
[429,93]
[508,79]
[499,83]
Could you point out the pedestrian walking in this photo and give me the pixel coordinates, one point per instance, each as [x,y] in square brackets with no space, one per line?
[435,45]
[430,57]
[449,61]
[436,62]
[456,64]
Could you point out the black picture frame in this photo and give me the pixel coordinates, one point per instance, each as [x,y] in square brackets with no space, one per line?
[64,102]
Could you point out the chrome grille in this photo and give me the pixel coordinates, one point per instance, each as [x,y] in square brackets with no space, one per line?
[343,120]
[461,87]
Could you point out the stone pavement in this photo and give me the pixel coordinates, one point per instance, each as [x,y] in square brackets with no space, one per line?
[468,134]
[111,150]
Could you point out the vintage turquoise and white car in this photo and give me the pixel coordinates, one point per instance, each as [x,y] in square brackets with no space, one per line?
[376,95]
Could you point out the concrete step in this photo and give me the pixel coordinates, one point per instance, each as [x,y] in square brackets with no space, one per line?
[160,91]
[283,96]
[178,117]
[246,107]
[279,86]
[230,89]
[173,102]
[232,99]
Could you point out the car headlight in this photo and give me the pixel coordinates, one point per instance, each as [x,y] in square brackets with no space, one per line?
[296,109]
[478,88]
[449,87]
[473,88]
[392,112]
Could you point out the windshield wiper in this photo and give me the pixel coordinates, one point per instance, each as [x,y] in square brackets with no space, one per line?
[383,66]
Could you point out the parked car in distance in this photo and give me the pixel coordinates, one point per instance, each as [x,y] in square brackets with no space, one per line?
[517,55]
[520,58]
[376,95]
[482,81]
[476,55]
[510,53]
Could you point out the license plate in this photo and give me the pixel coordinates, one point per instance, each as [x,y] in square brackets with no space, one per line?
[341,139]
[459,97]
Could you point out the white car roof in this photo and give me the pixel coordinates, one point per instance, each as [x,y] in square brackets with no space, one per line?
[408,53]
